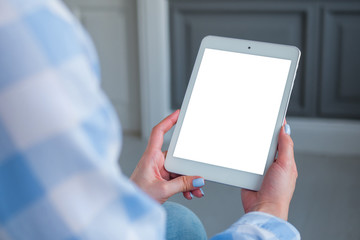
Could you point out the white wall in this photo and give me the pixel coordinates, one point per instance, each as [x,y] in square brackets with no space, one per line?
[113,27]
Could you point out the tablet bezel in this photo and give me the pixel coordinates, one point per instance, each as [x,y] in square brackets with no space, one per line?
[217,173]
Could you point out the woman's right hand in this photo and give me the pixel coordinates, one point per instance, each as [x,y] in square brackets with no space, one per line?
[279,182]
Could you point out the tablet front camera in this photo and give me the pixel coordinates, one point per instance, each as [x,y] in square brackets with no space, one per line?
[249,47]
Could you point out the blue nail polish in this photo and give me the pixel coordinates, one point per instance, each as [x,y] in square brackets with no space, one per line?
[202,192]
[198,182]
[191,195]
[287,129]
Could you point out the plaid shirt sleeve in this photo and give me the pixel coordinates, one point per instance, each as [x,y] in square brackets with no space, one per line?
[259,225]
[60,138]
[59,135]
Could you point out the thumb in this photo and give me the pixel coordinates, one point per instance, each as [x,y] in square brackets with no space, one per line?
[285,148]
[184,184]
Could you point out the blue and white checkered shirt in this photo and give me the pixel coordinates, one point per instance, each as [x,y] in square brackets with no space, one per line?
[60,139]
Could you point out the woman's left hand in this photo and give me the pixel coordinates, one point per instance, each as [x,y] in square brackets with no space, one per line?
[150,174]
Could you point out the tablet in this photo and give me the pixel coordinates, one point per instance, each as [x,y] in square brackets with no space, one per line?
[233,110]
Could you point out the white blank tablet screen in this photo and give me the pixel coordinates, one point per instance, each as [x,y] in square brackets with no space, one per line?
[232,110]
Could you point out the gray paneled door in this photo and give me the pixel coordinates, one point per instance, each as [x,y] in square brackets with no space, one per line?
[341,62]
[328,34]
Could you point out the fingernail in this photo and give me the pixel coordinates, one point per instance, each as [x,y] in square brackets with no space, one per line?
[191,195]
[198,182]
[287,129]
[202,192]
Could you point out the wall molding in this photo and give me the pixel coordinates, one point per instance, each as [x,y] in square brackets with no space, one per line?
[315,136]
[325,136]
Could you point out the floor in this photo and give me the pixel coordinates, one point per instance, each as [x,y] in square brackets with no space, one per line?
[326,203]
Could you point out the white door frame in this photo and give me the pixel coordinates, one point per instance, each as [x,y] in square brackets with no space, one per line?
[154,59]
[317,136]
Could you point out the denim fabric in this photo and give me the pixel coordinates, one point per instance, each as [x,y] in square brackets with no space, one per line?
[182,223]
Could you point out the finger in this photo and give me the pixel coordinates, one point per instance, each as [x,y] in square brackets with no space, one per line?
[157,134]
[199,193]
[184,184]
[285,148]
[188,195]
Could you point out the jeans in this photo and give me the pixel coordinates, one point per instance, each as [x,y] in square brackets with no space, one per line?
[182,223]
